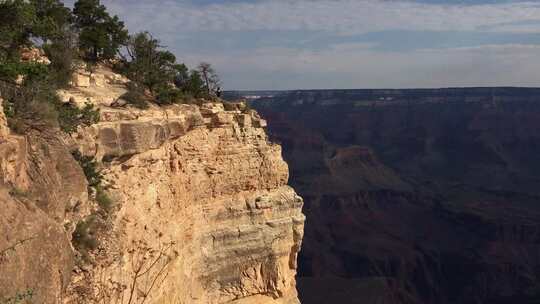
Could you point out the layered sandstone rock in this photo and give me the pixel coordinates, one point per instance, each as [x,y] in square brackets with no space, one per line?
[37,255]
[207,190]
[42,195]
[201,206]
[199,210]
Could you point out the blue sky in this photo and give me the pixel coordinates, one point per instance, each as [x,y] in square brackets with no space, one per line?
[313,44]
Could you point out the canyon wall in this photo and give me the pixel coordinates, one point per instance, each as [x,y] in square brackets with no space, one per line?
[414,196]
[193,207]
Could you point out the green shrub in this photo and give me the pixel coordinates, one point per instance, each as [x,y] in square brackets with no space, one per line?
[167,96]
[62,54]
[10,70]
[34,71]
[84,238]
[70,117]
[103,199]
[16,192]
[30,109]
[36,106]
[30,71]
[19,297]
[89,166]
[135,97]
[89,115]
[9,110]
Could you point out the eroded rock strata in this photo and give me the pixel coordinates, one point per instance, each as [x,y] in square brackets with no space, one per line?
[415,196]
[198,209]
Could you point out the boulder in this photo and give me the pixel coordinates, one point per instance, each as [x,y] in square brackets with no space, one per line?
[80,80]
[38,265]
[221,119]
[34,55]
[97,80]
[244,120]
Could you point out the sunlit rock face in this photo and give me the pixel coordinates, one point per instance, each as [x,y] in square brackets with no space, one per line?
[414,196]
[208,183]
[198,209]
[40,187]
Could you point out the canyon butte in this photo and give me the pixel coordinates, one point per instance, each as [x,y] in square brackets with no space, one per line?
[197,209]
[414,196]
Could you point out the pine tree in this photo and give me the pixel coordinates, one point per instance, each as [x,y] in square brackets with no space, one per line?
[100,35]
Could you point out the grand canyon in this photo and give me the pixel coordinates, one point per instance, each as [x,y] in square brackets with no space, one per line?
[414,196]
[269,152]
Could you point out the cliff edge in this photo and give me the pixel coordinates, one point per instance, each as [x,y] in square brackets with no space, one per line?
[194,207]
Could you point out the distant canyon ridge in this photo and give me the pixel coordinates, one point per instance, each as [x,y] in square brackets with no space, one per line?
[414,196]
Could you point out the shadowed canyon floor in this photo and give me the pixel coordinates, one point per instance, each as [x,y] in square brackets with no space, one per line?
[414,196]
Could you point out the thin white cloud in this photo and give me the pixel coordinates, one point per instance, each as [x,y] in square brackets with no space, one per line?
[350,66]
[347,65]
[334,16]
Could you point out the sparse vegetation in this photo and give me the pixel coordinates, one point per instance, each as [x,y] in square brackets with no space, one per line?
[29,86]
[95,179]
[70,117]
[19,297]
[135,96]
[149,268]
[104,201]
[90,169]
[150,66]
[16,192]
[210,77]
[36,106]
[88,35]
[13,248]
[84,237]
[30,107]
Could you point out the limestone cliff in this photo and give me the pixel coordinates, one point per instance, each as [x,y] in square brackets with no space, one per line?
[42,191]
[198,208]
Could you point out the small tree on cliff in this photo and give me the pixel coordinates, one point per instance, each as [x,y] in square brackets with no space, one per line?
[52,20]
[17,25]
[195,84]
[148,64]
[189,82]
[100,35]
[209,76]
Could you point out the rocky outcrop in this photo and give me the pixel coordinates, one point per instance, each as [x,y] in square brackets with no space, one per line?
[207,188]
[193,207]
[42,194]
[37,259]
[34,55]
